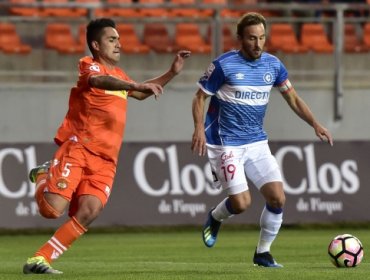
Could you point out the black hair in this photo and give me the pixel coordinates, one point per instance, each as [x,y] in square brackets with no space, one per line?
[249,19]
[94,30]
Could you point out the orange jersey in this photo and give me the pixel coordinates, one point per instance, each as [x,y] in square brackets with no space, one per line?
[96,118]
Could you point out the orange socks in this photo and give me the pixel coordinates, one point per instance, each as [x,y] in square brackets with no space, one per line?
[61,240]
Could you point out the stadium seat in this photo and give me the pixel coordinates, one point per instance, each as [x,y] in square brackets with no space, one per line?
[185,11]
[282,37]
[352,44]
[126,12]
[81,37]
[366,35]
[130,42]
[229,39]
[152,10]
[225,12]
[313,36]
[59,11]
[265,12]
[268,47]
[156,36]
[24,11]
[58,36]
[188,36]
[83,12]
[10,41]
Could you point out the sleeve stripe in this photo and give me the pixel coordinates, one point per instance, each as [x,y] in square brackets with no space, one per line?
[285,87]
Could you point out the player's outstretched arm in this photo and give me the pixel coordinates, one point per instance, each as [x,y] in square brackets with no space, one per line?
[137,90]
[198,144]
[303,111]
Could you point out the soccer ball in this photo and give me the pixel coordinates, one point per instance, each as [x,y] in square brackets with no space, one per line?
[346,251]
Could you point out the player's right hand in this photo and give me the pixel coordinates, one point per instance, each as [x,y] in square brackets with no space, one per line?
[198,144]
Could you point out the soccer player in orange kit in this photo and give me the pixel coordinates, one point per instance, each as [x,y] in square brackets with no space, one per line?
[80,175]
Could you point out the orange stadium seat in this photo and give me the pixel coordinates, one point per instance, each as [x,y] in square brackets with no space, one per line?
[156,36]
[10,41]
[58,36]
[185,10]
[130,42]
[366,35]
[116,11]
[225,12]
[230,41]
[352,44]
[282,37]
[152,10]
[59,11]
[188,36]
[268,47]
[265,12]
[314,37]
[84,11]
[81,36]
[24,11]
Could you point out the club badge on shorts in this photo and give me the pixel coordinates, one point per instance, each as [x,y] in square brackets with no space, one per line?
[62,183]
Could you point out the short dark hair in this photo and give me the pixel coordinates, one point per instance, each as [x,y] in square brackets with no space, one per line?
[249,19]
[95,28]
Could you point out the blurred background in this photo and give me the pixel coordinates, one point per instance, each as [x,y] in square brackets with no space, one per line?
[325,46]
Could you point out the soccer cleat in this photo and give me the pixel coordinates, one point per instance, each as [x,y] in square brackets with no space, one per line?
[210,230]
[38,265]
[43,168]
[265,259]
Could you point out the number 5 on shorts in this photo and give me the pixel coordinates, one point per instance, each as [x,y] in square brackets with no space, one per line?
[66,169]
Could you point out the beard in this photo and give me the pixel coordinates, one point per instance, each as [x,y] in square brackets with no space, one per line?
[253,54]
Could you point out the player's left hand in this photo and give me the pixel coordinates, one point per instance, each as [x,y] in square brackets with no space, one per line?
[323,134]
[178,62]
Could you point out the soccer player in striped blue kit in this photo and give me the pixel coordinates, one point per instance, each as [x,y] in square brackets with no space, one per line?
[239,83]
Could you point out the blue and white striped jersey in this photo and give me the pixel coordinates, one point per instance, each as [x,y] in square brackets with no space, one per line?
[240,91]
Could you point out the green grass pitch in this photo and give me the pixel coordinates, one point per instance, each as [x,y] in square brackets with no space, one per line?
[172,255]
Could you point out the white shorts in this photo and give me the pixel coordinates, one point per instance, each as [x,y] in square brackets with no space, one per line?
[232,165]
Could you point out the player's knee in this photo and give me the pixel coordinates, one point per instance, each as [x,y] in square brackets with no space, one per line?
[240,203]
[45,209]
[91,213]
[86,215]
[240,207]
[277,202]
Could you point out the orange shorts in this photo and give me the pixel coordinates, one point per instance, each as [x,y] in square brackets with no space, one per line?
[75,171]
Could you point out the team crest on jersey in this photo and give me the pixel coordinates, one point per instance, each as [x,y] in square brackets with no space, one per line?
[95,68]
[267,78]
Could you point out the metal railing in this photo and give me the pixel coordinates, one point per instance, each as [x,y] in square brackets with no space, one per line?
[337,20]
